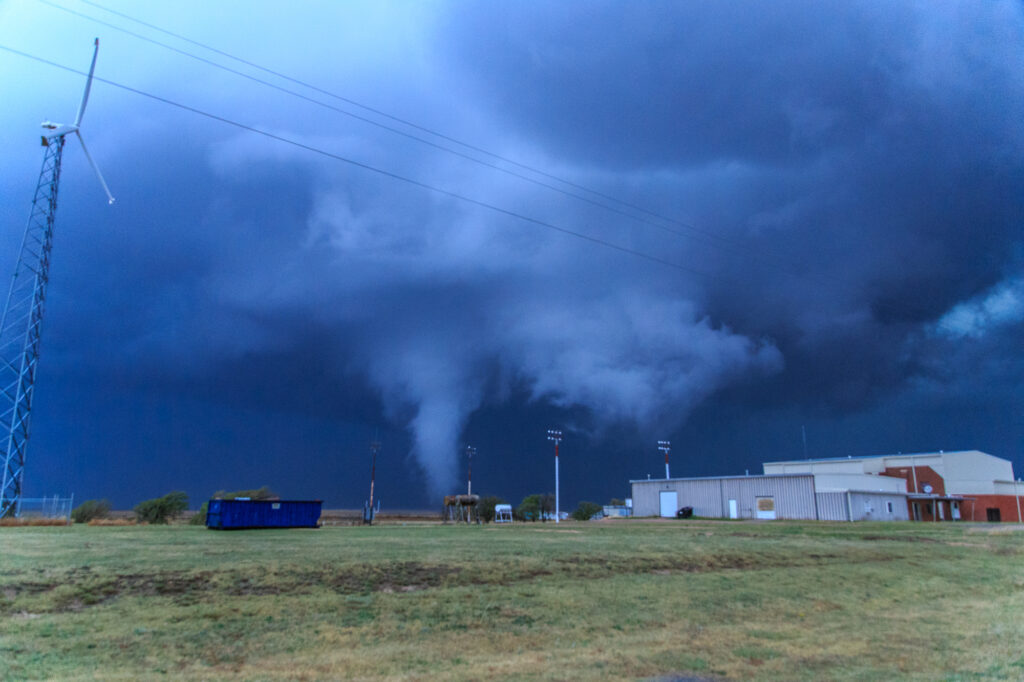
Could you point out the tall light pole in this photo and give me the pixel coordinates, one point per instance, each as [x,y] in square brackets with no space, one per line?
[665,446]
[470,451]
[556,435]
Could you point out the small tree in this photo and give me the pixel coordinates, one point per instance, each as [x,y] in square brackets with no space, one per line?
[89,510]
[262,493]
[159,510]
[487,505]
[547,505]
[586,511]
[529,508]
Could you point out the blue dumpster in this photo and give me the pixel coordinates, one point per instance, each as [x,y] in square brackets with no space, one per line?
[234,514]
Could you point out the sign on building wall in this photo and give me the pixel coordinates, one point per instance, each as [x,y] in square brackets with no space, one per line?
[766,507]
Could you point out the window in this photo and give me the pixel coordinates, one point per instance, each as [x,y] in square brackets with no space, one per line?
[888,507]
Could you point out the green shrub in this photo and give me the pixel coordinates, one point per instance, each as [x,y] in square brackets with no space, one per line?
[160,509]
[586,511]
[89,510]
[262,493]
[529,508]
[487,505]
[534,507]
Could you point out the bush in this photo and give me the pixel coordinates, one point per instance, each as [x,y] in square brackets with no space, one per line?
[486,506]
[586,511]
[529,508]
[547,506]
[534,507]
[161,509]
[616,502]
[262,493]
[90,510]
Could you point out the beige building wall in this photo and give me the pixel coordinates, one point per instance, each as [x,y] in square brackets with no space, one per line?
[974,472]
[965,472]
[830,483]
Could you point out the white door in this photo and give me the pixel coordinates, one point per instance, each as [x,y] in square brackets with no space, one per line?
[668,504]
[956,511]
[734,510]
[766,507]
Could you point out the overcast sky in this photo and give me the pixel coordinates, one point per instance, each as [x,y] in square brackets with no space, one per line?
[719,223]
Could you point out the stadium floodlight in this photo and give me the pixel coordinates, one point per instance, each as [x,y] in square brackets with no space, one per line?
[556,436]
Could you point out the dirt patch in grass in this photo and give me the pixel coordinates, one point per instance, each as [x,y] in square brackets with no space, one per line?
[82,587]
[899,538]
[554,530]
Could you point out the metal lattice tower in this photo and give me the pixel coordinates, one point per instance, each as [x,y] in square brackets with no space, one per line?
[20,325]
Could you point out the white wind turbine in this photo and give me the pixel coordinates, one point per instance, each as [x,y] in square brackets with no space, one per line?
[23,312]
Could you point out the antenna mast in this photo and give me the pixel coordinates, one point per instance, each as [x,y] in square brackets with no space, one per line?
[22,318]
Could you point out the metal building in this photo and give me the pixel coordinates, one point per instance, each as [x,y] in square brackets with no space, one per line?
[771,496]
[730,497]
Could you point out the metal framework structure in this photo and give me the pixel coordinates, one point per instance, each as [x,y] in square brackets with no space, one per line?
[22,318]
[20,328]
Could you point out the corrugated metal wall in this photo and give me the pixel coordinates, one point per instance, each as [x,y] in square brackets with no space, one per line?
[793,495]
[833,507]
[872,507]
[866,506]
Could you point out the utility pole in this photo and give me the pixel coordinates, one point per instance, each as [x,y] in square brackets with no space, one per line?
[470,451]
[556,435]
[665,446]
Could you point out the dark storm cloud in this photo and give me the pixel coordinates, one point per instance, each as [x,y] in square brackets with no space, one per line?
[670,83]
[858,166]
[876,154]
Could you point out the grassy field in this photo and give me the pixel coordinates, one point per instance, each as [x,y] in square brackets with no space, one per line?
[605,600]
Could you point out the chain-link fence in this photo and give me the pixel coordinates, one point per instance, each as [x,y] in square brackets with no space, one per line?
[44,508]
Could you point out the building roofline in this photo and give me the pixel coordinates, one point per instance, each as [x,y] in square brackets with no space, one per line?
[718,478]
[890,456]
[861,492]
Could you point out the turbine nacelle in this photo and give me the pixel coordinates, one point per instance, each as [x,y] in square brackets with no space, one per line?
[55,130]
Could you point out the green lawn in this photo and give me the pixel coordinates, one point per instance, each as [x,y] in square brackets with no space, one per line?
[608,600]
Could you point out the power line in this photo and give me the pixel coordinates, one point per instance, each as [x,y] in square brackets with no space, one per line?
[694,232]
[367,167]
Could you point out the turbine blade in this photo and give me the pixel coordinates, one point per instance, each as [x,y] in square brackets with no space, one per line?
[88,83]
[110,197]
